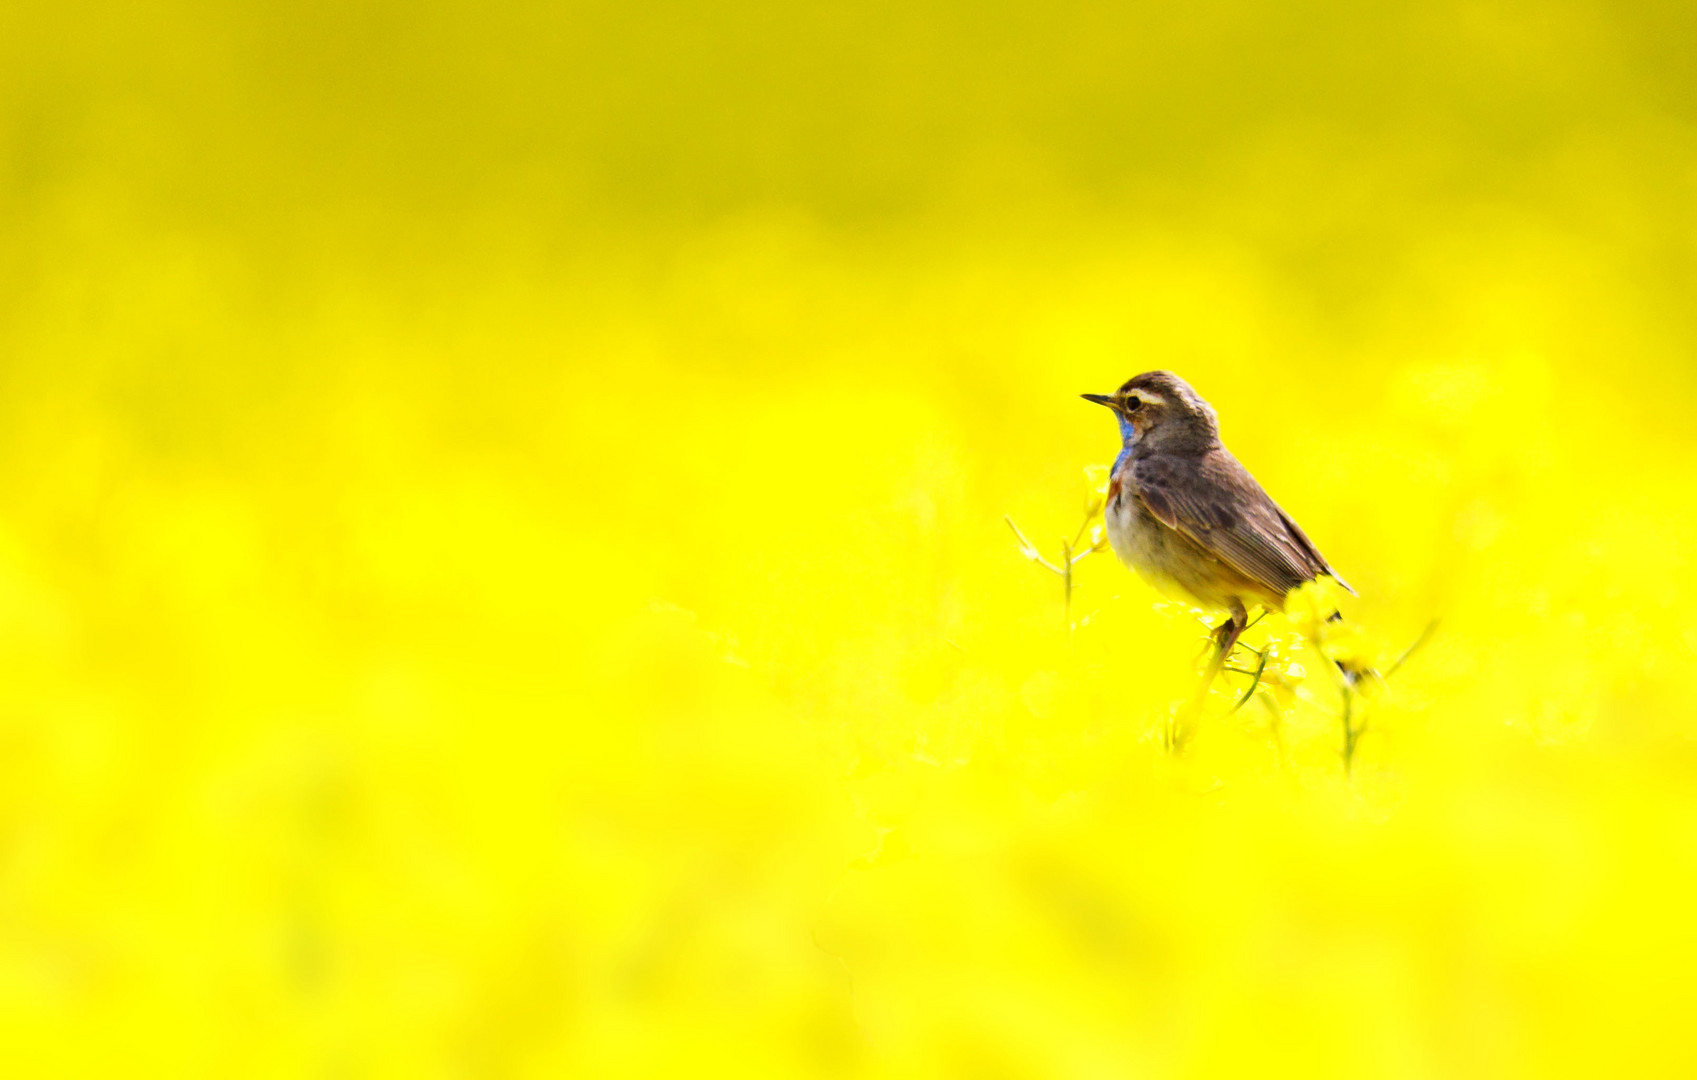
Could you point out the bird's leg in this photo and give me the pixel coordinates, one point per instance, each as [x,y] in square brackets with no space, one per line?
[1225,638]
[1226,635]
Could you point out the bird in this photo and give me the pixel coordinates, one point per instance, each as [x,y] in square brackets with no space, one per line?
[1189,519]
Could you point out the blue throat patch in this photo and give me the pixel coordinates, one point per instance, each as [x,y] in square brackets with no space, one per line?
[1129,435]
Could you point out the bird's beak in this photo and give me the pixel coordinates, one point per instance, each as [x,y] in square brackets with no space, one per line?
[1100,399]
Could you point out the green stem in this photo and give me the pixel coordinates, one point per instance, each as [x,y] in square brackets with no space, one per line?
[1066,578]
[1425,636]
[1351,733]
[1247,694]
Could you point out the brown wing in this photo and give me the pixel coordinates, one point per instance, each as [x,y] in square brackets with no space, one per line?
[1215,502]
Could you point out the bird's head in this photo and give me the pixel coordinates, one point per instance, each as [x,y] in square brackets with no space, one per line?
[1159,410]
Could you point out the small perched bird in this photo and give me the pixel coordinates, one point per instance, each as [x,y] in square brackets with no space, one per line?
[1188,518]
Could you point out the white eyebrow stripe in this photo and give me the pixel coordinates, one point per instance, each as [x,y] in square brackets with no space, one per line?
[1146,395]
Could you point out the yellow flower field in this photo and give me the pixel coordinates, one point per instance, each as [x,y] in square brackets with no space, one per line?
[503,568]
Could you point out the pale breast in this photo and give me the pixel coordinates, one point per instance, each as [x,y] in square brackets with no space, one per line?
[1141,542]
[1171,564]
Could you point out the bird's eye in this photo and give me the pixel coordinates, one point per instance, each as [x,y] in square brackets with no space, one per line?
[1132,404]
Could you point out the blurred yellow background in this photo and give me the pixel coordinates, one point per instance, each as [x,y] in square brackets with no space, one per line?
[502,569]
